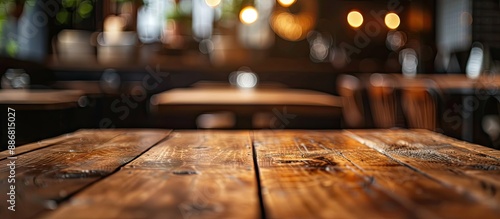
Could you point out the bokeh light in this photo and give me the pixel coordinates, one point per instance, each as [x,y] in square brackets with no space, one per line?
[395,40]
[287,26]
[246,80]
[392,20]
[206,46]
[355,19]
[249,15]
[294,25]
[213,3]
[475,62]
[243,78]
[466,18]
[409,62]
[114,23]
[319,46]
[286,3]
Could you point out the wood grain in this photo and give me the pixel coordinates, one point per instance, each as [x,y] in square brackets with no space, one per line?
[260,174]
[415,190]
[191,175]
[70,137]
[481,150]
[302,178]
[464,170]
[48,176]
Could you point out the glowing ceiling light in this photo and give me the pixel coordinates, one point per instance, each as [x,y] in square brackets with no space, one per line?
[213,3]
[355,19]
[248,15]
[286,3]
[392,20]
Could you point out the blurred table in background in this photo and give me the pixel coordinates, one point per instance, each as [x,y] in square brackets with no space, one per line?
[27,99]
[41,113]
[252,108]
[144,173]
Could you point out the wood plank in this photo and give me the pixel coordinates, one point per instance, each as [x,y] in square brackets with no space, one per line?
[302,178]
[415,190]
[26,99]
[75,136]
[235,96]
[245,102]
[52,174]
[465,171]
[191,175]
[483,151]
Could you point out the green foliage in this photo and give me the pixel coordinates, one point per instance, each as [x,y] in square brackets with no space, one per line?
[231,8]
[12,48]
[85,9]
[74,11]
[30,3]
[6,8]
[175,13]
[63,16]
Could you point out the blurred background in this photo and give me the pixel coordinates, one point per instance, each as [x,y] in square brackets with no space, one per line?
[386,61]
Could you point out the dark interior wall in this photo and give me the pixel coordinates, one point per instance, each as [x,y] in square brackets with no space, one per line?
[486,18]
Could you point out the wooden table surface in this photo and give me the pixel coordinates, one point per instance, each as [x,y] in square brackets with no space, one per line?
[253,174]
[242,96]
[246,101]
[40,99]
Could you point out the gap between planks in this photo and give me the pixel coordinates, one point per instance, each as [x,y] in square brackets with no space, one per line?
[185,158]
[481,188]
[98,150]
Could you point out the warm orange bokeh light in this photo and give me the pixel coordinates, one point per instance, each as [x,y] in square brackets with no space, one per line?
[286,3]
[287,26]
[392,20]
[355,19]
[249,15]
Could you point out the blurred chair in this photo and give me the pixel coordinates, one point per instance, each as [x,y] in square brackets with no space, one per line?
[353,112]
[420,102]
[383,101]
[488,119]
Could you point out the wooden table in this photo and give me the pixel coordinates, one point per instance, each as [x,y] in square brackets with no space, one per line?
[246,102]
[40,99]
[39,114]
[253,174]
